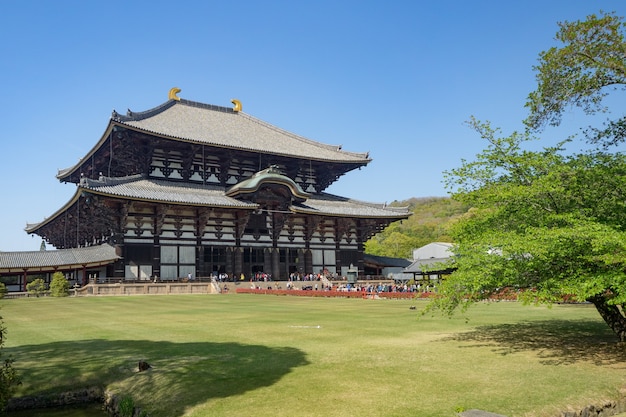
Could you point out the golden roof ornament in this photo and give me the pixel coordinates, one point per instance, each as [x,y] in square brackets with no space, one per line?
[172,94]
[237,104]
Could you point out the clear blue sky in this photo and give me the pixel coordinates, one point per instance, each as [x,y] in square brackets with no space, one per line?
[397,79]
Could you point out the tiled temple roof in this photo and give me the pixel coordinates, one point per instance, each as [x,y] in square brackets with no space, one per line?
[224,127]
[333,205]
[139,188]
[54,259]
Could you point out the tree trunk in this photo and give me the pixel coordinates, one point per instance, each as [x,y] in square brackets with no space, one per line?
[611,314]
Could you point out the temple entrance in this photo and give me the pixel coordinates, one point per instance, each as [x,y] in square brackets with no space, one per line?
[254,262]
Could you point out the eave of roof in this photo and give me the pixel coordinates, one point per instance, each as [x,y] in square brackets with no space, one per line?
[332,205]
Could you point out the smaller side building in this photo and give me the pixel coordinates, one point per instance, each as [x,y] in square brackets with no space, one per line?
[383,266]
[77,264]
[428,257]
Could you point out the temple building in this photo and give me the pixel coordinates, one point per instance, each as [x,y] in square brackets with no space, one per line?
[193,189]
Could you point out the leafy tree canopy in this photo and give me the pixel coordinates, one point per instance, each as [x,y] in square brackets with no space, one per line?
[590,63]
[550,222]
[543,221]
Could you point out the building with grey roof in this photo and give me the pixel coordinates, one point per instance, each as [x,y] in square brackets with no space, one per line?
[192,189]
[16,267]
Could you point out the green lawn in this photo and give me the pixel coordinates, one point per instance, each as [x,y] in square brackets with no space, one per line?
[256,355]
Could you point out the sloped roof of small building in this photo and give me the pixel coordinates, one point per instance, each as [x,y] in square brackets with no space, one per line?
[49,260]
[386,261]
[428,256]
[425,266]
[433,250]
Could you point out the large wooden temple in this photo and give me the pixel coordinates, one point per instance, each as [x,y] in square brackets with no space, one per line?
[192,188]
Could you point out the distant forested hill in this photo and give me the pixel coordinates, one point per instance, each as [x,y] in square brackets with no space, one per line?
[429,221]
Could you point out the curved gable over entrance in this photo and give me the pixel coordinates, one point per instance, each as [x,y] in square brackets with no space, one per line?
[267,187]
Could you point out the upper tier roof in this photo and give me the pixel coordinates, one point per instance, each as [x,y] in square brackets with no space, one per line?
[224,127]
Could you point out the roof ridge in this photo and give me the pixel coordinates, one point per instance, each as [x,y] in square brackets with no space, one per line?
[207,106]
[132,116]
[102,180]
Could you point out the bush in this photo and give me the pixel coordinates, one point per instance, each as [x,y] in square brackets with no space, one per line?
[36,287]
[59,287]
[126,407]
[9,379]
[3,289]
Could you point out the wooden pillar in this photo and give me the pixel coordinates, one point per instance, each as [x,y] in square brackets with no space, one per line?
[267,261]
[337,251]
[230,269]
[156,258]
[238,263]
[301,263]
[25,280]
[276,264]
[308,261]
[119,267]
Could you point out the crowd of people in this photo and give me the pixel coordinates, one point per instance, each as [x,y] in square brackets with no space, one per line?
[321,282]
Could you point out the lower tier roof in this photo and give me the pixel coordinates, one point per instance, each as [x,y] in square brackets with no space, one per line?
[139,188]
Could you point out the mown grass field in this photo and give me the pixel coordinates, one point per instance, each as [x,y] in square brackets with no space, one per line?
[257,355]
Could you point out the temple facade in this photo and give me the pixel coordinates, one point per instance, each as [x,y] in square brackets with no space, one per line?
[192,189]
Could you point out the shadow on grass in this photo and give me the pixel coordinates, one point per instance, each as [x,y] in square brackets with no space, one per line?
[182,374]
[556,342]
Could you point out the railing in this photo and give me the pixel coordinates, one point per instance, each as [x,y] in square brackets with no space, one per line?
[148,288]
[122,280]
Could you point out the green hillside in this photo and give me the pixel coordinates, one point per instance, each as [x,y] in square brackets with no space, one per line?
[431,216]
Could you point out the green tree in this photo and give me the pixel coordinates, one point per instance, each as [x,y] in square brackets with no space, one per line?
[59,286]
[542,221]
[590,63]
[36,287]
